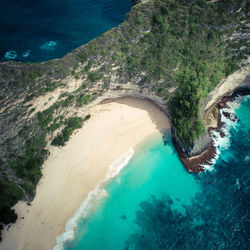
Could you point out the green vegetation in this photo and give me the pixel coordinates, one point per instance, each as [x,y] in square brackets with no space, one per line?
[83,99]
[29,97]
[185,48]
[9,196]
[57,123]
[28,187]
[72,124]
[83,57]
[50,86]
[185,109]
[45,117]
[94,76]
[28,166]
[185,45]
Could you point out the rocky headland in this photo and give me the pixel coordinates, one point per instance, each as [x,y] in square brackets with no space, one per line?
[184,56]
[203,151]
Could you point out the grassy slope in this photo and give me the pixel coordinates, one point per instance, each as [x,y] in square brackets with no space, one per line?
[162,45]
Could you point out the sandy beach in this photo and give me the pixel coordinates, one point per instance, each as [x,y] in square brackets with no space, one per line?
[71,172]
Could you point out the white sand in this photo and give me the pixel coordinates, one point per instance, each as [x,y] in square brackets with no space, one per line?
[72,172]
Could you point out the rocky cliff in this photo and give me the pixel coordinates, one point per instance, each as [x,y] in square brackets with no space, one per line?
[173,52]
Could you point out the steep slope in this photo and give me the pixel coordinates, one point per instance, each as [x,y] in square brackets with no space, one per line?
[173,51]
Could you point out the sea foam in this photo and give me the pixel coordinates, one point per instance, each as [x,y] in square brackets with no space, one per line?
[26,53]
[92,200]
[222,143]
[10,54]
[48,45]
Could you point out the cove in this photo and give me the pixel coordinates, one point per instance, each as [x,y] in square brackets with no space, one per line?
[154,203]
[154,171]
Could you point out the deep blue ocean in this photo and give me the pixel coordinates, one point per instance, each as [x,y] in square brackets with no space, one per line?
[41,30]
[154,203]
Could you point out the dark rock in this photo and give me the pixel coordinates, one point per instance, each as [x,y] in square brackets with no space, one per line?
[200,145]
[203,150]
[134,2]
[222,134]
[123,217]
[231,116]
[226,114]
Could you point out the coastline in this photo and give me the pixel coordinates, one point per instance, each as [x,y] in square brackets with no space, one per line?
[235,84]
[71,172]
[133,63]
[213,120]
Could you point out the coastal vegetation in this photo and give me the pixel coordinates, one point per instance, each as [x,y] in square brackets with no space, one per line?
[178,50]
[72,124]
[186,48]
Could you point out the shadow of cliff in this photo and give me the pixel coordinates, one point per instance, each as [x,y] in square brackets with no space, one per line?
[156,113]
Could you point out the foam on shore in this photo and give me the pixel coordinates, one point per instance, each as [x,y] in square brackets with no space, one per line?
[70,174]
[222,143]
[94,197]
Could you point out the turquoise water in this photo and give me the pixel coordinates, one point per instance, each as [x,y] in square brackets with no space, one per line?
[155,170]
[155,204]
[243,113]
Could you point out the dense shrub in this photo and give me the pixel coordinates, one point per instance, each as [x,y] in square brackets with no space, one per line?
[28,166]
[94,76]
[72,124]
[9,195]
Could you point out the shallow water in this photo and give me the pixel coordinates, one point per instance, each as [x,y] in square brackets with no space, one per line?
[155,204]
[39,30]
[154,170]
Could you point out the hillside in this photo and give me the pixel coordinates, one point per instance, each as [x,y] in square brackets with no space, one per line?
[176,51]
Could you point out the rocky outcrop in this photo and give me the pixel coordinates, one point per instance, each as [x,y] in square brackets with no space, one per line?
[238,80]
[196,164]
[203,150]
[200,145]
[127,90]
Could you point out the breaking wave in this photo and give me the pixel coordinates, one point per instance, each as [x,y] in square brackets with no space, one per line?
[94,197]
[222,139]
[48,45]
[26,53]
[10,55]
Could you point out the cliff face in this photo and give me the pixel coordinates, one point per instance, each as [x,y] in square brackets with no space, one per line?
[202,151]
[171,52]
[198,147]
[239,80]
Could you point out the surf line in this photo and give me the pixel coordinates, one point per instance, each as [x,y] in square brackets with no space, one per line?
[222,138]
[94,197]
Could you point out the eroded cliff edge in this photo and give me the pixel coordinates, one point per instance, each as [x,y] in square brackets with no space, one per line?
[171,52]
[203,150]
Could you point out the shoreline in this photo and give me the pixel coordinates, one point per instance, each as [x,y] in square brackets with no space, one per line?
[196,164]
[71,172]
[91,203]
